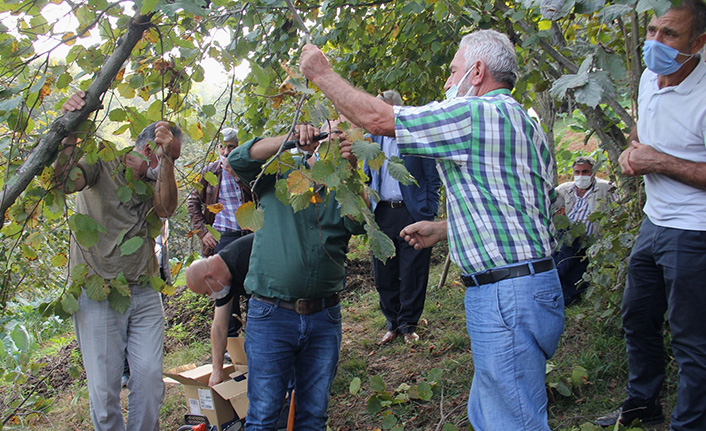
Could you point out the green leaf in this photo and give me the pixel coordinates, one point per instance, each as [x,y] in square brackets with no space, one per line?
[148,6]
[124,193]
[563,389]
[302,201]
[69,304]
[365,150]
[281,192]
[130,246]
[377,384]
[399,172]
[449,427]
[567,82]
[579,374]
[214,233]
[380,244]
[87,239]
[424,390]
[96,288]
[118,302]
[660,7]
[389,421]
[59,260]
[120,285]
[374,405]
[211,178]
[615,11]
[250,217]
[355,386]
[590,94]
[21,338]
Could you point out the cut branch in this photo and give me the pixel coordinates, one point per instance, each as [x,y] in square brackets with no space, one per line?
[45,152]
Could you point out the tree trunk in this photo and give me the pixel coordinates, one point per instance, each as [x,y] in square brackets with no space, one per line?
[45,152]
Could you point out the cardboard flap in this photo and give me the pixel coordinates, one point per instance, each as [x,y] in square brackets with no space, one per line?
[235,390]
[192,375]
[236,350]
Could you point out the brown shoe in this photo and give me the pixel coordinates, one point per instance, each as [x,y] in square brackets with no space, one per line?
[389,336]
[411,337]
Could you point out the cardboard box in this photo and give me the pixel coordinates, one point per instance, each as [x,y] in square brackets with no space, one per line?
[236,350]
[235,390]
[223,403]
[202,399]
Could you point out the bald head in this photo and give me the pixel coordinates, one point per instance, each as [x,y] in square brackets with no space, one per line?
[206,274]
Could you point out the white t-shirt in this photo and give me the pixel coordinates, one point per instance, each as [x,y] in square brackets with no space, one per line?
[673,121]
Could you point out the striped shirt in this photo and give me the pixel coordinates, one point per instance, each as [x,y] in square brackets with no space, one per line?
[498,171]
[581,210]
[231,197]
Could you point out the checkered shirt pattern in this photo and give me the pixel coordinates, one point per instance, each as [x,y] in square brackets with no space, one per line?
[498,172]
[231,197]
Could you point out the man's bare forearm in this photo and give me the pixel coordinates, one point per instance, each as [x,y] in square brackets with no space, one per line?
[361,108]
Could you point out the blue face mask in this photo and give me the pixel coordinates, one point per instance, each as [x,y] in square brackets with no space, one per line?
[452,92]
[661,58]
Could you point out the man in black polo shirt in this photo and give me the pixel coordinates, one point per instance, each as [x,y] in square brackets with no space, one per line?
[221,276]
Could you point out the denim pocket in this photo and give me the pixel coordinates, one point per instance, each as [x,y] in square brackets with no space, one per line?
[259,310]
[334,314]
[548,298]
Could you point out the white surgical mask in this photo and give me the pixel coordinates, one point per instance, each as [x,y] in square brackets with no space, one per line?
[583,181]
[221,293]
[452,92]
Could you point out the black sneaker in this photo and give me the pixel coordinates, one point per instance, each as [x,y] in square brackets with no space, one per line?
[649,413]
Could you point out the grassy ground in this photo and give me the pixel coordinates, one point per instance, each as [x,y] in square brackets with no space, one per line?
[418,387]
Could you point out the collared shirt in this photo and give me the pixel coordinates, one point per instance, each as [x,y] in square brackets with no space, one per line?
[121,222]
[498,171]
[231,197]
[389,187]
[295,255]
[673,121]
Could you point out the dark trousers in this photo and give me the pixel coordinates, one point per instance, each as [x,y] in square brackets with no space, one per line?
[571,264]
[402,281]
[235,324]
[667,274]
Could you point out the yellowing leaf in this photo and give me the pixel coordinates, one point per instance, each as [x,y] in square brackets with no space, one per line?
[195,131]
[59,260]
[250,217]
[119,76]
[168,289]
[45,90]
[370,28]
[395,31]
[297,183]
[28,252]
[174,270]
[544,24]
[69,38]
[215,208]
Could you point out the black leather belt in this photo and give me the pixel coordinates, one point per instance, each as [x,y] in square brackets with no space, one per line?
[391,204]
[302,306]
[497,274]
[235,233]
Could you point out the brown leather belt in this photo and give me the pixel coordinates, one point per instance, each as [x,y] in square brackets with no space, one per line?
[302,306]
[497,274]
[391,204]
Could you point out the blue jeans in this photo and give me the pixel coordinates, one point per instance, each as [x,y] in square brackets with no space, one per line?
[667,274]
[282,346]
[106,338]
[514,326]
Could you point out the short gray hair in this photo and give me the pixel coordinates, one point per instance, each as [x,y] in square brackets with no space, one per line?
[391,96]
[147,135]
[229,135]
[580,160]
[698,16]
[495,50]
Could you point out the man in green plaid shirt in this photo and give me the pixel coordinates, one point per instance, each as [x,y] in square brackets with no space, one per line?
[498,171]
